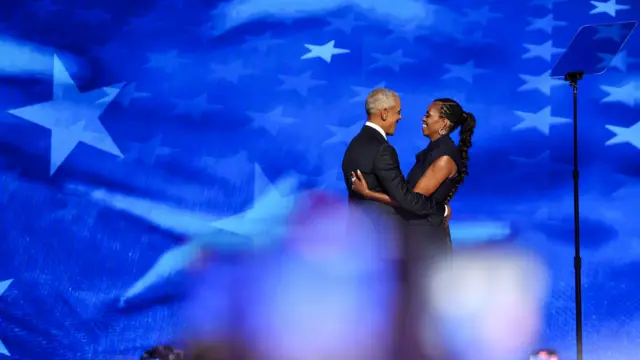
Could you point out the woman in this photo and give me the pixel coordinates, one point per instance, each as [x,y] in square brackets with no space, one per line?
[438,172]
[439,169]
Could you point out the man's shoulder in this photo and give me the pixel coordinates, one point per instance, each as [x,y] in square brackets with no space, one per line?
[386,148]
[363,145]
[367,138]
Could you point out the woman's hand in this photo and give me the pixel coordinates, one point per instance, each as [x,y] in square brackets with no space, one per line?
[359,184]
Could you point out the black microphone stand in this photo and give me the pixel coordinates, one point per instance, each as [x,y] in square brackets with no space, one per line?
[573,78]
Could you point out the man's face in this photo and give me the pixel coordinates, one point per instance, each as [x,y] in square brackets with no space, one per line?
[391,116]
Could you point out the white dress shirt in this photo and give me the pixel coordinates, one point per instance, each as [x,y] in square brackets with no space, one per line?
[379,129]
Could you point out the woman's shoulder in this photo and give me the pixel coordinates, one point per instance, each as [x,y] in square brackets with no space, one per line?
[442,147]
[448,148]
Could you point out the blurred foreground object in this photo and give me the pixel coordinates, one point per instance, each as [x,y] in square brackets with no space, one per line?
[544,355]
[164,352]
[488,303]
[330,289]
[326,292]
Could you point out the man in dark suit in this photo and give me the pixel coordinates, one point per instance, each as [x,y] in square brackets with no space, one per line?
[377,160]
[371,154]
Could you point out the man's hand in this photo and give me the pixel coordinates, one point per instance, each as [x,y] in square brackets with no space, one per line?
[448,212]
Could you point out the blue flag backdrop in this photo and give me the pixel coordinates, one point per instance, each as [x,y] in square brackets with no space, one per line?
[127,127]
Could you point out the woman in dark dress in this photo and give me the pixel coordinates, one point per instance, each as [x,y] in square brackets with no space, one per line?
[438,172]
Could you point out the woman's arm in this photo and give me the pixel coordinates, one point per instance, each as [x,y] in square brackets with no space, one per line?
[380,197]
[441,169]
[360,186]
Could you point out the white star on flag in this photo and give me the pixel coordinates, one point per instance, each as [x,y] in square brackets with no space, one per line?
[542,120]
[547,3]
[363,92]
[195,107]
[543,83]
[465,71]
[619,61]
[169,61]
[482,15]
[629,135]
[345,24]
[301,83]
[408,31]
[545,24]
[235,169]
[542,159]
[149,151]
[627,94]
[262,42]
[325,52]
[544,51]
[610,7]
[343,134]
[271,121]
[72,117]
[393,60]
[231,72]
[129,93]
[266,218]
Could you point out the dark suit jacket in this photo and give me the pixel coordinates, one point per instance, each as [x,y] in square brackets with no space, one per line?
[378,161]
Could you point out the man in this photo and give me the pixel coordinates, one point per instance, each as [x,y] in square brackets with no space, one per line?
[371,154]
[378,161]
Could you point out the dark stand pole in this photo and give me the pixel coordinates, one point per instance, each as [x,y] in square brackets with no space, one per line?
[573,78]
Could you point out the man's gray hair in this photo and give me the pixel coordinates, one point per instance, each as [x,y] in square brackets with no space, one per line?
[380,99]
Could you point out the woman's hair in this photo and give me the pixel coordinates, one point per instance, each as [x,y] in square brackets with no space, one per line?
[459,118]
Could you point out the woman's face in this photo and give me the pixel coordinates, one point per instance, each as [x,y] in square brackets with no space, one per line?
[432,121]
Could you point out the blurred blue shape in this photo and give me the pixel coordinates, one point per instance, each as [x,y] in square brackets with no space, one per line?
[261,225]
[3,286]
[164,216]
[477,232]
[265,221]
[25,59]
[169,263]
[235,13]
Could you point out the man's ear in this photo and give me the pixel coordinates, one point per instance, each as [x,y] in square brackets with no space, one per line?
[383,114]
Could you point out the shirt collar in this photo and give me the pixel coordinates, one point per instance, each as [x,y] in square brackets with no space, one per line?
[377,127]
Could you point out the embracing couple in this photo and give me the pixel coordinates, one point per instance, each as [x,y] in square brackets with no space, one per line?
[372,170]
[418,205]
